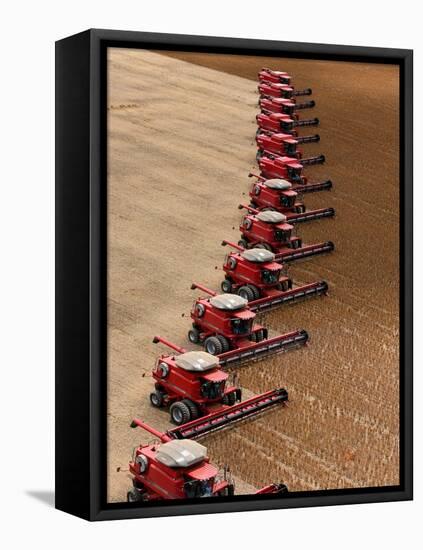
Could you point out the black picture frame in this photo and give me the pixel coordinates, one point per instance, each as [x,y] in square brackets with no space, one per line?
[81,222]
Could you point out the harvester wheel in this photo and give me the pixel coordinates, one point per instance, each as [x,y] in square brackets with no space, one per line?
[243,243]
[227,491]
[257,336]
[156,398]
[300,209]
[134,495]
[226,286]
[194,335]
[180,413]
[256,292]
[229,399]
[285,285]
[259,154]
[224,342]
[193,409]
[246,292]
[213,345]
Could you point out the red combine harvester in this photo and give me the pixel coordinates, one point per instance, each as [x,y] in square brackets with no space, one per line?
[301,189]
[175,467]
[269,230]
[280,90]
[274,145]
[287,168]
[274,77]
[254,275]
[281,195]
[224,325]
[288,107]
[276,123]
[191,383]
[270,215]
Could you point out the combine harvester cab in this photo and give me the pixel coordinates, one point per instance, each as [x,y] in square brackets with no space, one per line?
[276,145]
[288,107]
[254,275]
[276,123]
[190,384]
[278,194]
[280,90]
[177,467]
[274,227]
[224,325]
[270,230]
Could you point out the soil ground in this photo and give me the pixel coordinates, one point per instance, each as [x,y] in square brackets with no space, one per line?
[181,143]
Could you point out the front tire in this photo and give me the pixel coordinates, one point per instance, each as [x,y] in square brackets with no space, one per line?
[180,413]
[193,409]
[285,285]
[224,342]
[246,292]
[133,495]
[228,491]
[213,345]
[229,399]
[258,336]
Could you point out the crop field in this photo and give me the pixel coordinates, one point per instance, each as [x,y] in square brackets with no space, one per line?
[181,143]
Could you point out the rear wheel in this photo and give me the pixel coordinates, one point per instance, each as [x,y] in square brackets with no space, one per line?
[224,342]
[243,243]
[193,409]
[156,398]
[300,209]
[213,345]
[180,413]
[246,292]
[226,286]
[194,335]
